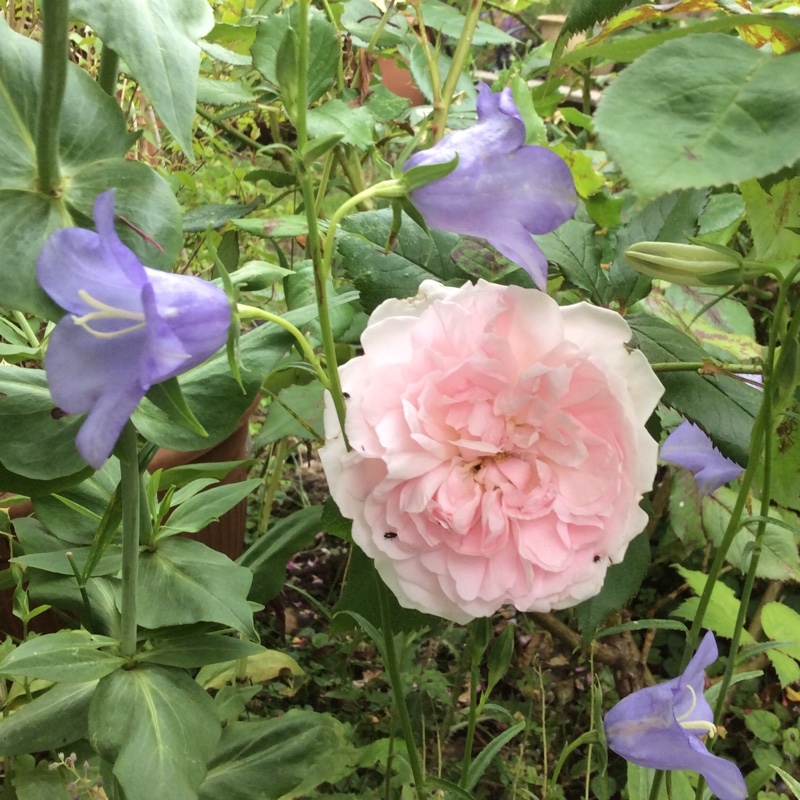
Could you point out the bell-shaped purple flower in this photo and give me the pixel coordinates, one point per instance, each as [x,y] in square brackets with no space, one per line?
[502,190]
[690,447]
[127,327]
[662,726]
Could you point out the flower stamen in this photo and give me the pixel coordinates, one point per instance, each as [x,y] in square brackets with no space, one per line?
[105,311]
[696,724]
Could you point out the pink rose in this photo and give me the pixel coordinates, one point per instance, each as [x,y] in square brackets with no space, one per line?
[499,448]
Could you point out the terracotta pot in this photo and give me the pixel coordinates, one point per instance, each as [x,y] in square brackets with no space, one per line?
[400,81]
[226,535]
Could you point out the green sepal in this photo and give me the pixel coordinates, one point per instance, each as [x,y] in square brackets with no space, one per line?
[406,205]
[416,177]
[168,396]
[232,348]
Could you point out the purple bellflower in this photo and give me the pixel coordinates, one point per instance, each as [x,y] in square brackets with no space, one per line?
[127,327]
[502,190]
[661,727]
[689,446]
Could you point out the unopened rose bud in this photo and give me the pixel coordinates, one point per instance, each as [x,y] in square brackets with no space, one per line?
[687,264]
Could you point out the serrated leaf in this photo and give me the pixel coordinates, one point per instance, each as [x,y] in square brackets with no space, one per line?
[771,213]
[731,112]
[414,257]
[586,13]
[157,39]
[323,44]
[337,117]
[722,610]
[722,406]
[573,248]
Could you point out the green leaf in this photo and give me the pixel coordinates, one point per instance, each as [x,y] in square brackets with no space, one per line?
[586,13]
[361,18]
[622,582]
[383,104]
[732,112]
[764,725]
[484,758]
[336,117]
[668,219]
[183,581]
[207,507]
[282,758]
[197,650]
[215,215]
[725,329]
[50,721]
[779,557]
[771,214]
[154,722]
[168,397]
[360,596]
[723,407]
[450,21]
[782,624]
[37,442]
[223,93]
[413,258]
[66,657]
[295,411]
[722,610]
[573,248]
[323,45]
[56,561]
[157,39]
[267,557]
[422,74]
[92,126]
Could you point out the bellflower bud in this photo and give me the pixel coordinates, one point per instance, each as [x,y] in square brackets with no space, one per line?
[687,264]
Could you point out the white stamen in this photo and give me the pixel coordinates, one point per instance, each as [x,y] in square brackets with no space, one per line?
[698,724]
[105,311]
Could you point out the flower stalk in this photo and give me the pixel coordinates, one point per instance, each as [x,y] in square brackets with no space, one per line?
[442,108]
[55,57]
[129,466]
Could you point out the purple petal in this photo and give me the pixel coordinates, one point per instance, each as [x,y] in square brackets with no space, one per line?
[139,327]
[516,244]
[99,434]
[690,447]
[501,187]
[197,312]
[81,368]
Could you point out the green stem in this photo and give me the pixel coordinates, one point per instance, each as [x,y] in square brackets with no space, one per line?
[250,312]
[460,56]
[55,57]
[323,181]
[26,328]
[472,720]
[695,366]
[272,487]
[129,483]
[228,128]
[109,71]
[761,429]
[398,691]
